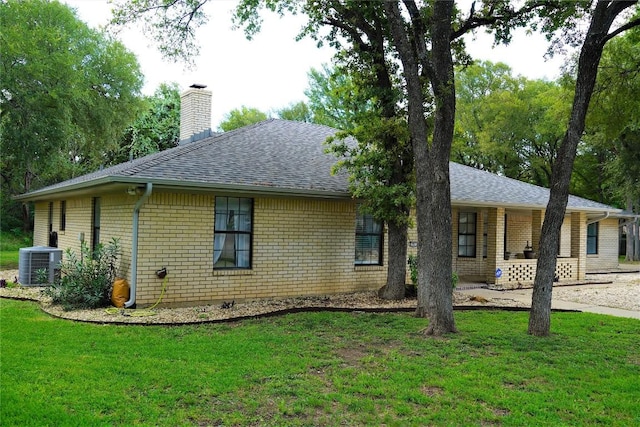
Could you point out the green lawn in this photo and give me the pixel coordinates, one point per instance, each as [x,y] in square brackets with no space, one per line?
[319,369]
[10,244]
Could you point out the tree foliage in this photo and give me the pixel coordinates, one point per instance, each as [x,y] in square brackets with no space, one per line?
[240,117]
[297,112]
[333,97]
[171,25]
[156,128]
[361,96]
[67,94]
[613,122]
[508,125]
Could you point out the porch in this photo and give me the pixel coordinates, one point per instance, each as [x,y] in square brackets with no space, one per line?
[508,243]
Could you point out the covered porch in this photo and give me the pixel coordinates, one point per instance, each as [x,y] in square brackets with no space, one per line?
[499,246]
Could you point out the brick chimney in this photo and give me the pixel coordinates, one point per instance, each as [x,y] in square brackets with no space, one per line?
[195,113]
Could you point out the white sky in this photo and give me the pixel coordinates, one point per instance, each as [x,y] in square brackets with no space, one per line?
[270,71]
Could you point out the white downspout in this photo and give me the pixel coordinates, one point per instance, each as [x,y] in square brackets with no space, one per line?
[600,218]
[134,245]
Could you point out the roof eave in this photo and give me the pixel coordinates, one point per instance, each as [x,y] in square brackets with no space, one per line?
[485,204]
[168,184]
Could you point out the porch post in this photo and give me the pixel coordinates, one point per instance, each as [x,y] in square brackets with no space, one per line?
[536,229]
[579,242]
[495,242]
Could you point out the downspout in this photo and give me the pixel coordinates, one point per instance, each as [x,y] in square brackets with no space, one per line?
[600,218]
[134,245]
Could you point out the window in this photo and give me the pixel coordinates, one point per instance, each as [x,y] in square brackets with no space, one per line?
[95,224]
[50,217]
[592,239]
[467,234]
[368,240]
[485,234]
[233,232]
[63,215]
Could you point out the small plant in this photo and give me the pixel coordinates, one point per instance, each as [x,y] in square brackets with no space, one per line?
[42,276]
[86,281]
[413,267]
[454,279]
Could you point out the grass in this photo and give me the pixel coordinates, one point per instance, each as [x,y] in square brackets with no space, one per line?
[621,260]
[319,369]
[10,244]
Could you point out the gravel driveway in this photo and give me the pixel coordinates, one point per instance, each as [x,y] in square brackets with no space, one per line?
[623,293]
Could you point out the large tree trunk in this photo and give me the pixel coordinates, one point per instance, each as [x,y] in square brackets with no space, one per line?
[433,195]
[396,265]
[596,37]
[438,230]
[629,255]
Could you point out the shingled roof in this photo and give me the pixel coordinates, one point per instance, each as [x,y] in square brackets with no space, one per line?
[287,158]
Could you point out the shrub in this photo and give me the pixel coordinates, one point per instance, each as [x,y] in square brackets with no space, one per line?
[86,282]
[413,267]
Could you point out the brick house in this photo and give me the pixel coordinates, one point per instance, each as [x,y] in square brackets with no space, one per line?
[256,213]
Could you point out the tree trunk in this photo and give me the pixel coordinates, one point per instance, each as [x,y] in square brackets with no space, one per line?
[596,37]
[433,194]
[629,250]
[26,218]
[438,230]
[636,239]
[397,263]
[24,207]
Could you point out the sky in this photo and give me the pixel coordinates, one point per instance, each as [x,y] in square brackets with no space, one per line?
[271,71]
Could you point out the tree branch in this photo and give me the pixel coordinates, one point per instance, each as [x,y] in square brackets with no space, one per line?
[473,22]
[625,27]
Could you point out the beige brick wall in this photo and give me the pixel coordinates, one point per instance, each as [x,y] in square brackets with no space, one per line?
[607,256]
[78,221]
[195,112]
[300,247]
[116,222]
[518,232]
[466,266]
[41,224]
[565,238]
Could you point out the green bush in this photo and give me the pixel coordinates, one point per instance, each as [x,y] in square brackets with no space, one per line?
[413,267]
[86,281]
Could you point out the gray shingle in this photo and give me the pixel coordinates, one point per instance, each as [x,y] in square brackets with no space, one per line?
[473,186]
[287,156]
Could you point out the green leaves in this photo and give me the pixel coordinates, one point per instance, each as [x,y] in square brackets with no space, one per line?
[86,280]
[155,129]
[67,94]
[240,117]
[171,24]
[508,125]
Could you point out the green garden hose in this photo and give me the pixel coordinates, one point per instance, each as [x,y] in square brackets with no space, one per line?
[140,313]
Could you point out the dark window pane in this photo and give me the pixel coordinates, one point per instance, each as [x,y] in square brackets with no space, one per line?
[232,232]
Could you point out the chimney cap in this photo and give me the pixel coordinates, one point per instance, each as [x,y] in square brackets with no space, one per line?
[198,86]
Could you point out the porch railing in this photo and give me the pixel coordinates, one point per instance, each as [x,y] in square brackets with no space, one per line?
[524,270]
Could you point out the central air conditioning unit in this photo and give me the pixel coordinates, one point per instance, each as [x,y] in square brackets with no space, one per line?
[30,260]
